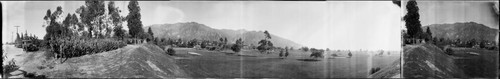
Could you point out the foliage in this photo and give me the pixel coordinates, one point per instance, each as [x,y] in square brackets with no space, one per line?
[192,43]
[316,53]
[448,51]
[34,76]
[237,47]
[134,22]
[413,25]
[74,47]
[28,42]
[373,70]
[150,32]
[305,49]
[397,2]
[10,67]
[265,45]
[428,35]
[349,54]
[170,51]
[117,20]
[268,36]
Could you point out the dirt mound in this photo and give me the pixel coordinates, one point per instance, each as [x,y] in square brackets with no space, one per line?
[428,61]
[132,61]
[391,71]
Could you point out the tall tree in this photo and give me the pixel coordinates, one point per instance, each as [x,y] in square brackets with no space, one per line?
[268,36]
[428,31]
[237,47]
[397,2]
[18,38]
[54,29]
[116,19]
[265,44]
[225,40]
[119,32]
[47,18]
[412,19]
[134,19]
[150,32]
[90,13]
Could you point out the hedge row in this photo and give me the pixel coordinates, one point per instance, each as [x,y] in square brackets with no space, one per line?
[74,47]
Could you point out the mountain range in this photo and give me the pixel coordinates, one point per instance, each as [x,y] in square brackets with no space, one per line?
[193,30]
[464,31]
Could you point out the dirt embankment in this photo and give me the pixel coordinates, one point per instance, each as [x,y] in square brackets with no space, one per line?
[428,61]
[391,71]
[132,61]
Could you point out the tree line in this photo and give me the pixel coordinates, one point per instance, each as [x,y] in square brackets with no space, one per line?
[93,28]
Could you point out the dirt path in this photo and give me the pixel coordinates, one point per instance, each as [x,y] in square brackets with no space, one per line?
[12,52]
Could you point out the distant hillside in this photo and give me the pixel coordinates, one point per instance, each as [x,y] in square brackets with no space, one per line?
[463,31]
[192,30]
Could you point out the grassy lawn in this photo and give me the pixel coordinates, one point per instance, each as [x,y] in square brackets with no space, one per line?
[213,64]
[483,66]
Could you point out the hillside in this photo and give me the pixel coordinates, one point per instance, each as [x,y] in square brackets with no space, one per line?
[428,61]
[391,71]
[132,61]
[192,30]
[463,31]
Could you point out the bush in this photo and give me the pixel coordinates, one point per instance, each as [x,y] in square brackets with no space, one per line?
[373,70]
[236,48]
[448,51]
[170,51]
[74,47]
[10,67]
[30,47]
[34,76]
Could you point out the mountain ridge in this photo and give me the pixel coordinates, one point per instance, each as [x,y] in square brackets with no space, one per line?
[194,30]
[463,31]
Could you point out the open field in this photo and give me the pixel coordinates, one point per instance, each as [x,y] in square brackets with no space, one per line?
[485,65]
[149,61]
[252,64]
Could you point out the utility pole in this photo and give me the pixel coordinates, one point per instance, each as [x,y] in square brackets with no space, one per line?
[12,37]
[17,29]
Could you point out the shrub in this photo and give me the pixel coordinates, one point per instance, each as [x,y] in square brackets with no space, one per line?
[448,51]
[30,47]
[373,70]
[34,76]
[10,67]
[73,47]
[236,48]
[170,51]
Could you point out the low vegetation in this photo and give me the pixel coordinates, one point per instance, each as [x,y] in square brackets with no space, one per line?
[10,67]
[73,47]
[448,51]
[170,51]
[317,53]
[373,70]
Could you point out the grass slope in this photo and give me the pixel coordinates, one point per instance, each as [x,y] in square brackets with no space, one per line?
[483,66]
[428,61]
[132,61]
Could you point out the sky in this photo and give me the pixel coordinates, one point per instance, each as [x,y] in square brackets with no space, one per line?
[342,25]
[440,12]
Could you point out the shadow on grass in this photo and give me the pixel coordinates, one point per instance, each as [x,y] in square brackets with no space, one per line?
[309,60]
